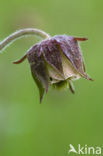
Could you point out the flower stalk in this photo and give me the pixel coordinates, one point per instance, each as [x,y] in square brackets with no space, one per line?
[21,33]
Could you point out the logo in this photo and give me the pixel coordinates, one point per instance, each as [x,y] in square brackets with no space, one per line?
[85,150]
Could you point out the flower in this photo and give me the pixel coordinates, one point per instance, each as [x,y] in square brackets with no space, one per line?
[55,61]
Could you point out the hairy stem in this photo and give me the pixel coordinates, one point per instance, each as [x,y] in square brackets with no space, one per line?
[20,33]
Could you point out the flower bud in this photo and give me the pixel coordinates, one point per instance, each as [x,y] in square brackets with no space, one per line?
[55,61]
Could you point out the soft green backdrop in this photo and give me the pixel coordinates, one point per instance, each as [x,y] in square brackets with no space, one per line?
[28,128]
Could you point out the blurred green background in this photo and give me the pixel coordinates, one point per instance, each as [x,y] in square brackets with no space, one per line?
[28,128]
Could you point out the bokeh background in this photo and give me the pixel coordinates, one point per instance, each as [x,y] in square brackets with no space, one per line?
[28,128]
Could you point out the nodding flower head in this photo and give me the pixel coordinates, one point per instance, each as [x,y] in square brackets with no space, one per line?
[55,61]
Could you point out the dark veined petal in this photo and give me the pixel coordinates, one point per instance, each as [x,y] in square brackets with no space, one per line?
[52,55]
[38,69]
[69,46]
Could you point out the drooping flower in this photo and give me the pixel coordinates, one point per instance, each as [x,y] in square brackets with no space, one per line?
[56,60]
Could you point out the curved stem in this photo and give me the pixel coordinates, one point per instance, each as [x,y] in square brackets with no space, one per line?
[20,33]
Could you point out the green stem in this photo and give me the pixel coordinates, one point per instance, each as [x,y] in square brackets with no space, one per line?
[20,33]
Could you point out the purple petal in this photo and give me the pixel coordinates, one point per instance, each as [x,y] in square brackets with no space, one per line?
[71,49]
[38,69]
[52,55]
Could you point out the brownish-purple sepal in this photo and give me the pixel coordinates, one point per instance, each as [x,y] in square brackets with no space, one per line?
[70,47]
[52,55]
[80,38]
[38,69]
[20,60]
